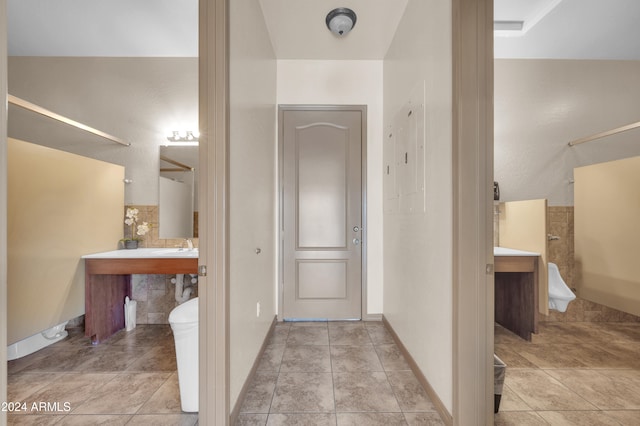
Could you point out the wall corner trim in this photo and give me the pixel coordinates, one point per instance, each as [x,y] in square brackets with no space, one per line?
[235,412]
[445,415]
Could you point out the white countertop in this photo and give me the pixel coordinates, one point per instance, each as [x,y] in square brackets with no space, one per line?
[503,251]
[144,253]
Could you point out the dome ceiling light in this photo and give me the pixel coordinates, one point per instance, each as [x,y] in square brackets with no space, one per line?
[341,20]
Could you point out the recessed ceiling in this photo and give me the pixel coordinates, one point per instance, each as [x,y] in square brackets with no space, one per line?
[559,29]
[572,29]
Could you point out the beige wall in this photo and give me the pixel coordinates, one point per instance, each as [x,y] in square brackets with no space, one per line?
[607,233]
[418,290]
[72,206]
[348,83]
[541,105]
[252,189]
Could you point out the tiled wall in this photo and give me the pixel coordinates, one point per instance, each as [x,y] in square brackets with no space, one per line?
[581,310]
[155,294]
[496,224]
[155,297]
[561,252]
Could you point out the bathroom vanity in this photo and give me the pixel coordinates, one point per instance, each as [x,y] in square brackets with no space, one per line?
[516,290]
[108,282]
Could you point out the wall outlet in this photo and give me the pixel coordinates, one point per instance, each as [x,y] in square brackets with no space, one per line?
[258,309]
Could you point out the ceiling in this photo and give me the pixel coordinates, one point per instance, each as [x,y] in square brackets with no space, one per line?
[561,29]
[298,29]
[127,28]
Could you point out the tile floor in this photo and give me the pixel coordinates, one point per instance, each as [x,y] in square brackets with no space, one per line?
[335,373]
[130,379]
[571,374]
[332,373]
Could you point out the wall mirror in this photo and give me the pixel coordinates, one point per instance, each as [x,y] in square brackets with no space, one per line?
[178,204]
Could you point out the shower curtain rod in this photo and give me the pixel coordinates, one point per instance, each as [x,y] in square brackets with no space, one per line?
[607,133]
[50,114]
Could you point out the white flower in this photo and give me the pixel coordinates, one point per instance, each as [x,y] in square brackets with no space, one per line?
[131,220]
[132,213]
[143,229]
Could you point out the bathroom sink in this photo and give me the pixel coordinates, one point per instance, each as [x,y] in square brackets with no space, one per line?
[175,252]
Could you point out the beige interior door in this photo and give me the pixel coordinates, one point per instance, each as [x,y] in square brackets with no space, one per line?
[322,214]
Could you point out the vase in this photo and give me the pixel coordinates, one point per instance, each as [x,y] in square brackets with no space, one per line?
[131,244]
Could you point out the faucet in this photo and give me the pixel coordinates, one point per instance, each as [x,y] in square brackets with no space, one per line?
[189,243]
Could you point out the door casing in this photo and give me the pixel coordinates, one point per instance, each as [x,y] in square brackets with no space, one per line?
[281,110]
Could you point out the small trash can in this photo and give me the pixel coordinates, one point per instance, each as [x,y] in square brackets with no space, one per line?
[184,324]
[499,371]
[130,313]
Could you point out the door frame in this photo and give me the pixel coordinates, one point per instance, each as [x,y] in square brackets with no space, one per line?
[364,314]
[213,219]
[472,140]
[3,207]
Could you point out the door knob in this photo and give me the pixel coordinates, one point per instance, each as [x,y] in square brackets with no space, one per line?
[356,241]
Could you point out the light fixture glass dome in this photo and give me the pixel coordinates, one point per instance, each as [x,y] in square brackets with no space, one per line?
[341,20]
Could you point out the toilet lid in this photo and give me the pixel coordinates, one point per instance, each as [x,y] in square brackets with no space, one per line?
[187,312]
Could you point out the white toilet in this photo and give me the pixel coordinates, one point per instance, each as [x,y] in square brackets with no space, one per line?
[559,292]
[184,323]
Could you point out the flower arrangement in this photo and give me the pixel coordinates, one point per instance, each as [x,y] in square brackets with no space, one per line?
[131,219]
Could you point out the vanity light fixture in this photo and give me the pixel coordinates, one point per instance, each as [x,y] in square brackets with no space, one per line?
[341,20]
[183,138]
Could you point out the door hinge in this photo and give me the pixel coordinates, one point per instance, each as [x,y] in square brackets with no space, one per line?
[202,270]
